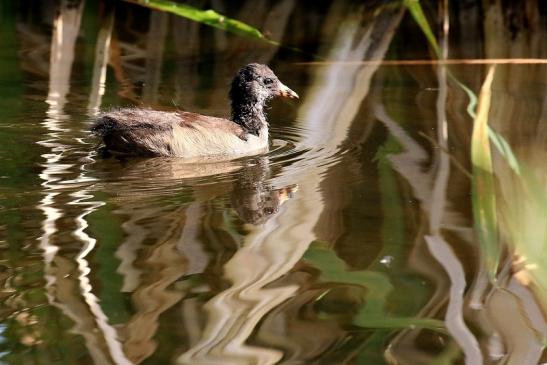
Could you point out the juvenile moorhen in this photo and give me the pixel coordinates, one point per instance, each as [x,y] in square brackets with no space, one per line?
[147,132]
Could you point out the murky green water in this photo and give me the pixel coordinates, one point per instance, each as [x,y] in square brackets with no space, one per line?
[351,242]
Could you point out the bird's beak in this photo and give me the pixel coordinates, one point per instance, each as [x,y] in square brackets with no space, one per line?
[287,193]
[286,92]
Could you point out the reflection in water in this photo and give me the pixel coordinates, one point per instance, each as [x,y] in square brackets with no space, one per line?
[269,253]
[252,197]
[102,53]
[254,200]
[156,261]
[65,30]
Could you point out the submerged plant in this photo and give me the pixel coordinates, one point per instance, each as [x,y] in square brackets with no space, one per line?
[373,312]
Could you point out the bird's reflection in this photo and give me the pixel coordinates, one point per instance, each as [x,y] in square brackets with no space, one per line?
[164,244]
[247,182]
[253,198]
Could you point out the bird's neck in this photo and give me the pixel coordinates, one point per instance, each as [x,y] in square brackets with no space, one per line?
[249,114]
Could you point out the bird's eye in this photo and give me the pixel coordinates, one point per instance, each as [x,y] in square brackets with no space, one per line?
[268,81]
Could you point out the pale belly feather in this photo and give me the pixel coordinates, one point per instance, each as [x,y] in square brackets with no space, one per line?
[203,142]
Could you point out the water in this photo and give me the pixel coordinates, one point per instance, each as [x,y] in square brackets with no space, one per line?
[351,242]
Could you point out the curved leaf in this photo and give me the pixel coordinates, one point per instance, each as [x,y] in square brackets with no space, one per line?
[209,17]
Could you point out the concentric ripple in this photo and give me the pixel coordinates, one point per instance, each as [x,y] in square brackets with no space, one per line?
[163,176]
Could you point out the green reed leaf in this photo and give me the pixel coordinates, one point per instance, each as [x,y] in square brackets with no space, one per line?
[502,146]
[505,150]
[208,17]
[415,9]
[523,208]
[213,19]
[527,242]
[483,195]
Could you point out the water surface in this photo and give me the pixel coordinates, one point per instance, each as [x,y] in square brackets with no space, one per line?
[351,242]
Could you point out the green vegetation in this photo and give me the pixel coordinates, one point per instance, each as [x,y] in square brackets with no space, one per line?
[373,312]
[415,9]
[484,198]
[208,17]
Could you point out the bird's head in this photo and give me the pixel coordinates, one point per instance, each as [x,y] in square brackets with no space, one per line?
[258,83]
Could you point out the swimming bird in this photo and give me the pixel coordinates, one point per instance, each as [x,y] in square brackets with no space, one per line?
[146,132]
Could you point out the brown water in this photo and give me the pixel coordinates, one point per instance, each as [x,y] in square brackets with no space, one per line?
[351,242]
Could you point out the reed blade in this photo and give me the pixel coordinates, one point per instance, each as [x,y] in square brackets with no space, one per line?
[483,194]
[208,17]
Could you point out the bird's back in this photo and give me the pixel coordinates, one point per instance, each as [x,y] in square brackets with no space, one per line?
[146,132]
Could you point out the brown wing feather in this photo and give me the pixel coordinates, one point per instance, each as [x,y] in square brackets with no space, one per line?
[189,120]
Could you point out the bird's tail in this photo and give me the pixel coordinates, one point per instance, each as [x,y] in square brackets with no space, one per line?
[103,126]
